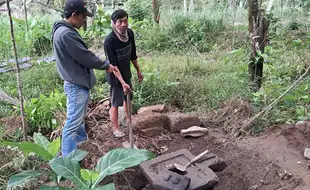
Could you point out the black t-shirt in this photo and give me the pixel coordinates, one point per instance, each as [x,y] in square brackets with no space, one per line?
[120,54]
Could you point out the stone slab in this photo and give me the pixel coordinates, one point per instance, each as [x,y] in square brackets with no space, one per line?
[202,177]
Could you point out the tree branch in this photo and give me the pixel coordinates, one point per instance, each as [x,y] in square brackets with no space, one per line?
[3,2]
[270,106]
[45,5]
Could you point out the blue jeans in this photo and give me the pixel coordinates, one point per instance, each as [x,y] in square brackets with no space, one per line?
[74,130]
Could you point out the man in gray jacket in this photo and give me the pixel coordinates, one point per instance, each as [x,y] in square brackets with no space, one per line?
[75,64]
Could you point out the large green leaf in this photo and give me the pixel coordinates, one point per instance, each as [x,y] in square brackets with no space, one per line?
[54,147]
[76,155]
[54,188]
[28,147]
[68,169]
[109,186]
[119,159]
[89,175]
[41,140]
[20,178]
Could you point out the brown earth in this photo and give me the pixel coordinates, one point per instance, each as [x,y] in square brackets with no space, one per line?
[273,160]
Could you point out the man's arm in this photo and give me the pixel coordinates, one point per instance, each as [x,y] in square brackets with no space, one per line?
[134,59]
[72,44]
[135,63]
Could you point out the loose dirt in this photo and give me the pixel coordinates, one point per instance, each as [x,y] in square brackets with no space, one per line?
[273,160]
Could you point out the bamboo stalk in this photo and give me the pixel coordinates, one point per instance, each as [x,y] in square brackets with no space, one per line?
[19,83]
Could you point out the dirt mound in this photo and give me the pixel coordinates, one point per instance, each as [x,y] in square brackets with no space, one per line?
[230,115]
[284,146]
[271,161]
[11,124]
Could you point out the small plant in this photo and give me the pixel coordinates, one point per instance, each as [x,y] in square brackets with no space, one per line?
[100,27]
[68,167]
[41,112]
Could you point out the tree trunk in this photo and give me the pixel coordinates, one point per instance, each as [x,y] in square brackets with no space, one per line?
[156,11]
[85,25]
[191,6]
[258,28]
[3,2]
[26,19]
[270,2]
[185,6]
[19,83]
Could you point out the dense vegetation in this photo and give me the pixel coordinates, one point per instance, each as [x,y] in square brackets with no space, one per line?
[194,60]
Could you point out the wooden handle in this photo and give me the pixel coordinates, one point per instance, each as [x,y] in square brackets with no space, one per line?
[129,126]
[198,157]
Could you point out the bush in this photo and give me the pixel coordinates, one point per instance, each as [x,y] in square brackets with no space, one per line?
[181,33]
[139,9]
[42,112]
[36,43]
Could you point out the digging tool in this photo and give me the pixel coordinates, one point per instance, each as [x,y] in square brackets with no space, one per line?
[129,125]
[182,168]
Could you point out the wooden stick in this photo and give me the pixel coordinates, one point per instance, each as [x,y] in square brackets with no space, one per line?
[129,120]
[270,106]
[18,78]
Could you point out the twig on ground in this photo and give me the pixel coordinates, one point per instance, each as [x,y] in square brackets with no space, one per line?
[127,181]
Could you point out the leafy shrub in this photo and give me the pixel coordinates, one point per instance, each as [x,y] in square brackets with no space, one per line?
[180,33]
[68,167]
[36,42]
[41,112]
[140,9]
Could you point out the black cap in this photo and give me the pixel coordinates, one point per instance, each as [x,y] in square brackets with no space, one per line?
[77,6]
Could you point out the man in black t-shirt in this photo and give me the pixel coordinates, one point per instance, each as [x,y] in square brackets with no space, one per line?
[120,50]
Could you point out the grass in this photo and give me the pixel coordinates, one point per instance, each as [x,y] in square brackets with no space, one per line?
[175,79]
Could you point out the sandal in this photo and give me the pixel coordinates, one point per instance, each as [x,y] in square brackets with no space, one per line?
[118,134]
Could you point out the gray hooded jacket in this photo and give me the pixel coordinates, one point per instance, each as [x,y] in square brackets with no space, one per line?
[75,63]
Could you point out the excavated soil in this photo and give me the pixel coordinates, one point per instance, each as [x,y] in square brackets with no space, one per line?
[273,160]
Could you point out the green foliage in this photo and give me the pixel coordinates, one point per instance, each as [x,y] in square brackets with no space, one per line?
[139,9]
[118,160]
[189,83]
[22,177]
[40,37]
[45,151]
[70,170]
[180,33]
[41,112]
[113,162]
[39,79]
[36,42]
[282,68]
[6,110]
[100,27]
[41,146]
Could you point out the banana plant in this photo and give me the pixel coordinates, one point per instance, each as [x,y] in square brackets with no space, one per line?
[68,167]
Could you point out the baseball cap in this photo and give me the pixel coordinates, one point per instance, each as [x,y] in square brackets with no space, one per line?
[77,6]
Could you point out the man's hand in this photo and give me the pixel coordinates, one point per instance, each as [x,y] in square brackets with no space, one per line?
[126,88]
[140,76]
[111,68]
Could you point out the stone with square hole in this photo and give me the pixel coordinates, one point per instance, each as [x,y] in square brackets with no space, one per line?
[202,177]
